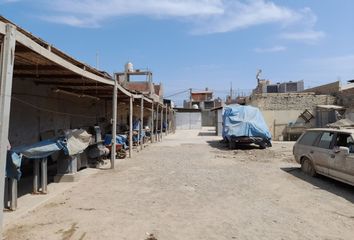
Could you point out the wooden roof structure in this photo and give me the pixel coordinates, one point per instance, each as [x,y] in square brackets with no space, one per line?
[45,64]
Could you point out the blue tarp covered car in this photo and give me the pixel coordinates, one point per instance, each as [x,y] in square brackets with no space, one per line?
[245,125]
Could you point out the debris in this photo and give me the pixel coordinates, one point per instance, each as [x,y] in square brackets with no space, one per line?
[150,236]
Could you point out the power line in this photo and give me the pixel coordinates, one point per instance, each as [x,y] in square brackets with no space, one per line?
[172,95]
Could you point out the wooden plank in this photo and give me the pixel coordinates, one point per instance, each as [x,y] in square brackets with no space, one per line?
[7,59]
[26,41]
[2,28]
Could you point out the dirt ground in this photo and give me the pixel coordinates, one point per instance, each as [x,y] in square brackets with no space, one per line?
[191,187]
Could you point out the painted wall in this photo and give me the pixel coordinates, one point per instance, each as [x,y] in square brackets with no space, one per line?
[188,120]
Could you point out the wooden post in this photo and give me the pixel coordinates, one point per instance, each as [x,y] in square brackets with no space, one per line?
[130,126]
[152,123]
[161,124]
[166,121]
[157,122]
[7,59]
[114,123]
[141,122]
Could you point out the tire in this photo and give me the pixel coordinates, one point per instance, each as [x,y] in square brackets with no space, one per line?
[262,145]
[232,144]
[307,167]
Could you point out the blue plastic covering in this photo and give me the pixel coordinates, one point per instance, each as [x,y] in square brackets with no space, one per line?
[240,121]
[13,165]
[120,139]
[41,149]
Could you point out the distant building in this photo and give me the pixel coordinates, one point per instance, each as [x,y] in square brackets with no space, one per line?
[203,100]
[147,87]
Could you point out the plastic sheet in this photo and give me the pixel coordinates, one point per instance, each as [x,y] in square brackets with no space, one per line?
[244,121]
[40,149]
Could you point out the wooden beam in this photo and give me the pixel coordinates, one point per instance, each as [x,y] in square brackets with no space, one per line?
[7,58]
[130,126]
[152,123]
[141,122]
[70,84]
[46,75]
[114,125]
[35,47]
[35,68]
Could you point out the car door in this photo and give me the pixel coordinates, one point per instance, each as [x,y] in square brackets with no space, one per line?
[323,152]
[342,166]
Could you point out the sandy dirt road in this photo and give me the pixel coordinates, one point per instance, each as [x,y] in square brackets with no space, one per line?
[190,187]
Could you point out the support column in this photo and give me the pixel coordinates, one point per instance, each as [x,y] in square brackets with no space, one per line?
[7,59]
[157,123]
[130,126]
[161,124]
[152,123]
[44,175]
[166,121]
[35,176]
[114,123]
[141,122]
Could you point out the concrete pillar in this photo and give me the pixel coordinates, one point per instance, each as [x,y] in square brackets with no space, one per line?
[7,60]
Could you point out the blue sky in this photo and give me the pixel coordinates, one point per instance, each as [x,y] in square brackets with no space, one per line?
[200,43]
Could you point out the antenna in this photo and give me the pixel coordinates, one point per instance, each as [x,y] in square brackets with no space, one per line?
[97,60]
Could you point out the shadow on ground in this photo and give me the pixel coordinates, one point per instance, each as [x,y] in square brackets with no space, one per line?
[210,133]
[225,146]
[340,189]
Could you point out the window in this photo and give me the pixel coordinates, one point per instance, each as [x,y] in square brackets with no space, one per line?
[325,140]
[345,140]
[309,138]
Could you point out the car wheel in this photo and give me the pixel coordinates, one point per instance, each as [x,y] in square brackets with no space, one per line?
[262,145]
[232,144]
[307,167]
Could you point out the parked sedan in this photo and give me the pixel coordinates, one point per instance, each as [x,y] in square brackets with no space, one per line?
[328,152]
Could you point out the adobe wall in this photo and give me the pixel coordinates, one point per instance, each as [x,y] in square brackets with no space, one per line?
[280,109]
[289,101]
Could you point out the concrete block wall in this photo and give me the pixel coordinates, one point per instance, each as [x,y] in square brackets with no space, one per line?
[329,89]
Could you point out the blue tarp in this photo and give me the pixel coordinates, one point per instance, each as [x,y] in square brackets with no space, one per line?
[120,139]
[240,121]
[13,165]
[41,149]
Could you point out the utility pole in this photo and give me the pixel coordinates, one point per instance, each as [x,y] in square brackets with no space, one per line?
[190,98]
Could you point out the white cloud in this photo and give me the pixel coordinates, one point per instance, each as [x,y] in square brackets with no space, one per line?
[309,36]
[8,1]
[270,50]
[72,21]
[239,15]
[204,16]
[97,11]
